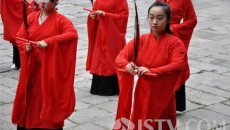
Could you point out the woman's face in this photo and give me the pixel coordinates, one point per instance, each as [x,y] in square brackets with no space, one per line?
[45,5]
[157,20]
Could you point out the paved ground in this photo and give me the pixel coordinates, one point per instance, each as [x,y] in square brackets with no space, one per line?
[208,89]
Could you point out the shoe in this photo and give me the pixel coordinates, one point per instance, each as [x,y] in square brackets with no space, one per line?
[180,112]
[13,67]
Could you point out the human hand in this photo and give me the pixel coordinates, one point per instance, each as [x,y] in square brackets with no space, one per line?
[140,71]
[92,15]
[28,47]
[130,67]
[42,44]
[95,13]
[100,12]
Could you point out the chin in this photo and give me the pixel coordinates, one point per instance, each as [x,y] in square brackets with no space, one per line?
[155,30]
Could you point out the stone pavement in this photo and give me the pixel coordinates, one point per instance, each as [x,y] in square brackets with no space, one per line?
[208,89]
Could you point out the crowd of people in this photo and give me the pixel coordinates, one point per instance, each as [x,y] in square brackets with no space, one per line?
[44,49]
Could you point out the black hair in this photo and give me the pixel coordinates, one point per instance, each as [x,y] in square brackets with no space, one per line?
[167,11]
[53,2]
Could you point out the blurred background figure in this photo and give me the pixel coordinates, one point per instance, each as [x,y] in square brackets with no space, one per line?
[182,25]
[107,25]
[12,18]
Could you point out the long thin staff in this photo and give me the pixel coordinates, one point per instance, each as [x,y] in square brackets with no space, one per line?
[25,40]
[91,2]
[25,19]
[136,33]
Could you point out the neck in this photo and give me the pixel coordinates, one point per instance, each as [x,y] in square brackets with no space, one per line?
[44,15]
[47,13]
[158,35]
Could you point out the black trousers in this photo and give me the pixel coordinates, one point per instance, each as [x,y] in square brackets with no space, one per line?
[104,85]
[181,99]
[16,57]
[21,128]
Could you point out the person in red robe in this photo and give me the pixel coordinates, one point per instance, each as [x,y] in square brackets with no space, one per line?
[159,54]
[45,94]
[107,25]
[182,23]
[12,18]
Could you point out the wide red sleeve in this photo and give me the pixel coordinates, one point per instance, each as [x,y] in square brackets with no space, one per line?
[21,34]
[25,72]
[68,32]
[125,55]
[177,55]
[185,29]
[122,11]
[126,81]
[58,69]
[57,80]
[0,6]
[119,18]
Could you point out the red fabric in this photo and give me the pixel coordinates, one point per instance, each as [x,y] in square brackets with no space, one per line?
[106,36]
[45,94]
[153,97]
[183,23]
[0,7]
[12,17]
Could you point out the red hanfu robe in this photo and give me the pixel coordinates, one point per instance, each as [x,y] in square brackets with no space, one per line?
[154,96]
[12,17]
[0,7]
[182,24]
[106,35]
[45,94]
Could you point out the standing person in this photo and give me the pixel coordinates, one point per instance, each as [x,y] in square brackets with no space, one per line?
[161,54]
[107,25]
[12,18]
[183,23]
[45,94]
